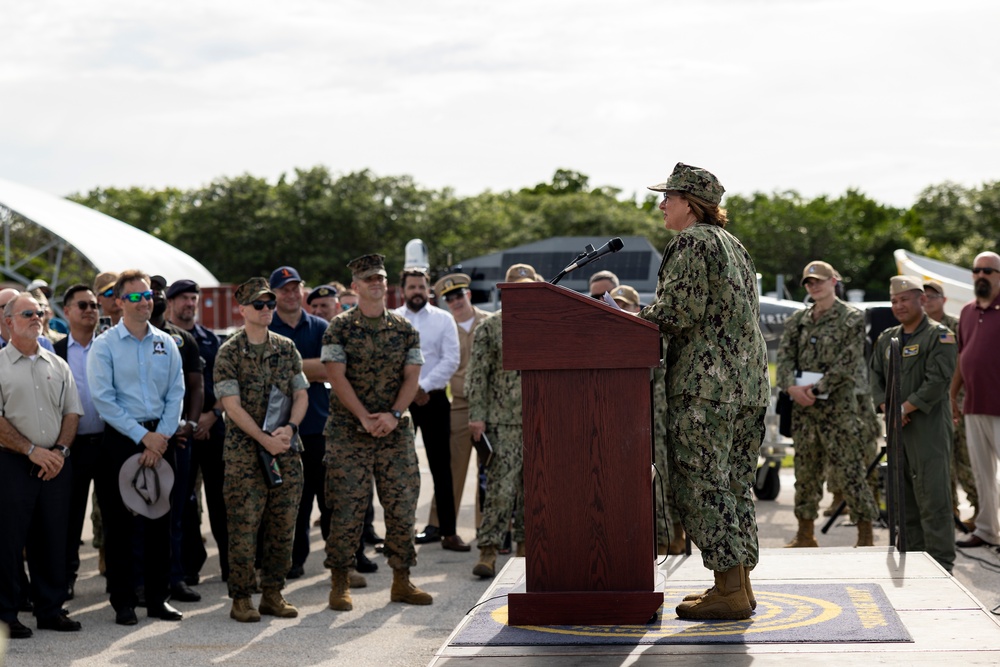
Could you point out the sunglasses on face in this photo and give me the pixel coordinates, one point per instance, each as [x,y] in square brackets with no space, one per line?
[261,305]
[136,297]
[108,293]
[346,306]
[29,314]
[454,296]
[84,305]
[985,269]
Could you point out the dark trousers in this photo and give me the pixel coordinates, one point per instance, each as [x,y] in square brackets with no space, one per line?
[120,527]
[33,515]
[85,454]
[434,421]
[207,457]
[313,486]
[178,500]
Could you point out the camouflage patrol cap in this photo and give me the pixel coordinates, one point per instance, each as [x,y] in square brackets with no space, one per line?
[627,294]
[693,180]
[820,270]
[451,282]
[252,290]
[900,284]
[104,281]
[367,266]
[521,273]
[934,285]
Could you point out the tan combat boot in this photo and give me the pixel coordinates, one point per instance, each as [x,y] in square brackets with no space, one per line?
[865,538]
[404,591]
[803,538]
[243,611]
[746,587]
[272,604]
[678,541]
[356,580]
[340,592]
[487,565]
[727,600]
[838,498]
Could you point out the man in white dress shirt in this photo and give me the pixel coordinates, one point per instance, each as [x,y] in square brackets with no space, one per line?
[431,410]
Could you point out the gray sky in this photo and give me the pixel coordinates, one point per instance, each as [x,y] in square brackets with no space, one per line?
[809,95]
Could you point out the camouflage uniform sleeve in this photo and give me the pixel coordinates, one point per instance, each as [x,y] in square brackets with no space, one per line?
[682,291]
[225,372]
[333,344]
[788,352]
[938,370]
[298,378]
[479,372]
[879,368]
[851,346]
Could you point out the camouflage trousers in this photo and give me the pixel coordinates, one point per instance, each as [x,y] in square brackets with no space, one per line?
[353,458]
[714,449]
[827,438]
[870,425]
[504,487]
[961,467]
[251,505]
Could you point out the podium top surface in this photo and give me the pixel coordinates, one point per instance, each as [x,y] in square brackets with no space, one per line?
[549,327]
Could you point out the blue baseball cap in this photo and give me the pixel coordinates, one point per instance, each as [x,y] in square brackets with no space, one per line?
[282,276]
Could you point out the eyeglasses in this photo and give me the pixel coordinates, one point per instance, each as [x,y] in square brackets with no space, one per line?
[261,305]
[136,297]
[84,305]
[29,314]
[985,269]
[454,296]
[347,306]
[108,293]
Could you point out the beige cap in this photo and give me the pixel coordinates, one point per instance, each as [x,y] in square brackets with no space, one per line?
[934,285]
[521,273]
[627,294]
[104,281]
[900,284]
[818,269]
[451,282]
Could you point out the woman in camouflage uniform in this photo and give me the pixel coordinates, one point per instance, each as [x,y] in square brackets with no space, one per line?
[717,388]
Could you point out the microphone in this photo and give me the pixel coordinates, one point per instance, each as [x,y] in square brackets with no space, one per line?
[612,246]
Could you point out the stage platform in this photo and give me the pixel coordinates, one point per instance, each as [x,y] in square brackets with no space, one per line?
[945,622]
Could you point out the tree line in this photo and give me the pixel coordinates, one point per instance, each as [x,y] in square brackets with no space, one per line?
[317,221]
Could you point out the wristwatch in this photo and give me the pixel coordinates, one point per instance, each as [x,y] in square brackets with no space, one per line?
[217,412]
[294,427]
[397,414]
[63,449]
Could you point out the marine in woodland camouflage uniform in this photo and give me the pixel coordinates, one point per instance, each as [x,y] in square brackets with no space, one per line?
[375,353]
[716,378]
[928,358]
[827,434]
[961,466]
[248,372]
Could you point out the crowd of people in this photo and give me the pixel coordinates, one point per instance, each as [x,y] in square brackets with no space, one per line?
[314,403]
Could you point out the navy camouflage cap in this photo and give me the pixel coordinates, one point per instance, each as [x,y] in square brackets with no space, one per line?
[451,282]
[900,284]
[693,180]
[367,266]
[321,292]
[252,290]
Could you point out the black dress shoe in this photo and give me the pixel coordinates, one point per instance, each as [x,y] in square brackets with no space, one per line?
[371,537]
[26,605]
[18,630]
[165,613]
[181,592]
[70,593]
[126,616]
[973,541]
[192,579]
[59,623]
[365,564]
[296,572]
[430,534]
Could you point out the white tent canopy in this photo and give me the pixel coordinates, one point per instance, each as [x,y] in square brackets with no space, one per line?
[107,243]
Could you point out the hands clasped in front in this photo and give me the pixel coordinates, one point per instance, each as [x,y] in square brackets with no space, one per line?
[49,462]
[379,424]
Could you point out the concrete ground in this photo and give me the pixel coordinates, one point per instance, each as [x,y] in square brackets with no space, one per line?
[377,632]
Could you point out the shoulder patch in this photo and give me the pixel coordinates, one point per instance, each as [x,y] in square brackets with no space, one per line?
[178,339]
[947,338]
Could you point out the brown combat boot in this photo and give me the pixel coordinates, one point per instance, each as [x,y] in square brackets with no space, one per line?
[272,604]
[340,592]
[404,591]
[803,538]
[243,611]
[356,580]
[487,565]
[727,600]
[838,498]
[865,538]
[678,541]
[746,587]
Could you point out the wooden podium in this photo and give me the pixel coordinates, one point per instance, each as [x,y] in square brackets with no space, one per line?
[588,515]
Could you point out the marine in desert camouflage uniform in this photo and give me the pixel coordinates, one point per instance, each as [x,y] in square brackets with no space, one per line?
[716,386]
